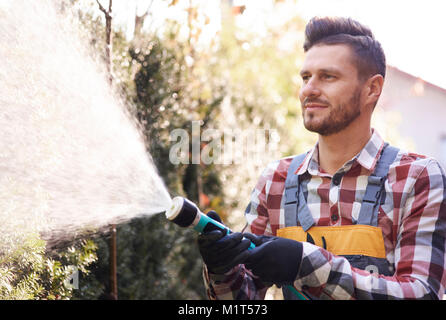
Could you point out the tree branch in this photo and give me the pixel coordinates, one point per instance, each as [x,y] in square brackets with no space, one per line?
[101,7]
[106,13]
[108,36]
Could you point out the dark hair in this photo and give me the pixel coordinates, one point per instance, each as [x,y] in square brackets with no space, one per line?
[370,58]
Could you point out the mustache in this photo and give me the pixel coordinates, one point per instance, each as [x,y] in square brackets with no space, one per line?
[313,100]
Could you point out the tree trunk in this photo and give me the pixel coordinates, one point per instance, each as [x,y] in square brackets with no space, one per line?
[112,245]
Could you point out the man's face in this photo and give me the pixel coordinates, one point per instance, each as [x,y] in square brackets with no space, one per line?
[331,92]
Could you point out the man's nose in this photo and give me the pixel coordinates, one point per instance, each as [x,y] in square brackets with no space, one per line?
[310,89]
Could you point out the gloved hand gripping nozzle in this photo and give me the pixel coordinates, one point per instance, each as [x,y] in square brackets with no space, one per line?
[186,214]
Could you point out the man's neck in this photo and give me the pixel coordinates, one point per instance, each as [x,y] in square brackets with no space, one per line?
[336,149]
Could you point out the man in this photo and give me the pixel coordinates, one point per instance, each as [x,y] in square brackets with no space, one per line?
[356,218]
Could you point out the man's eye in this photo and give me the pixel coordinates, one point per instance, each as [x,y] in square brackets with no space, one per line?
[305,78]
[328,76]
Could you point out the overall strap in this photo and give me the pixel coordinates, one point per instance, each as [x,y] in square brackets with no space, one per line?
[375,192]
[295,207]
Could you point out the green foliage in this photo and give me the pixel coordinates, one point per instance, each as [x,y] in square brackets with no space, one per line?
[263,75]
[31,272]
[156,260]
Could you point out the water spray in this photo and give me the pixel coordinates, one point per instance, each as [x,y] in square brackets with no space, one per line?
[186,214]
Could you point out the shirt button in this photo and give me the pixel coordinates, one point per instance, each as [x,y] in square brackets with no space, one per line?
[334,217]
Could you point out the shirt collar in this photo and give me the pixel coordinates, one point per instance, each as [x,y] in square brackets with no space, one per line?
[367,157]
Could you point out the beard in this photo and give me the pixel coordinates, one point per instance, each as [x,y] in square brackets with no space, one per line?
[338,118]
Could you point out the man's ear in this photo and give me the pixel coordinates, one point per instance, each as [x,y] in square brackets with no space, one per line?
[374,86]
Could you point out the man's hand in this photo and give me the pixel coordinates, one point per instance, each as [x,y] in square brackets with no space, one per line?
[222,252]
[274,259]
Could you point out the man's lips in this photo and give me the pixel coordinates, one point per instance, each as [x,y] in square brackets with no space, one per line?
[315,105]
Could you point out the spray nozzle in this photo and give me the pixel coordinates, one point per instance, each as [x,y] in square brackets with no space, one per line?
[185,213]
[182,212]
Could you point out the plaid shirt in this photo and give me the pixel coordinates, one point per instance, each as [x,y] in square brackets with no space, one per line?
[412,219]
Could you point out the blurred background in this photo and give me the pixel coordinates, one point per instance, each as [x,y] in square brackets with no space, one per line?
[230,65]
